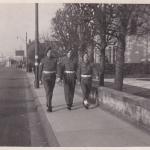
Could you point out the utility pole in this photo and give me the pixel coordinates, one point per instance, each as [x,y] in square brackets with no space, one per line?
[36,47]
[27,68]
[146,53]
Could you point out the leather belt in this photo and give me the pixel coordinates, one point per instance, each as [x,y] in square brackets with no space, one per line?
[47,72]
[69,71]
[86,76]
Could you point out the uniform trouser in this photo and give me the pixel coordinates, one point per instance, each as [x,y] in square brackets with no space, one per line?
[86,85]
[69,87]
[49,83]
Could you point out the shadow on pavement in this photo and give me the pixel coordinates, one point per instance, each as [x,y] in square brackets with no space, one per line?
[76,106]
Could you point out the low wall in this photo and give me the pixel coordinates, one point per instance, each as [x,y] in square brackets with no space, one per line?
[133,108]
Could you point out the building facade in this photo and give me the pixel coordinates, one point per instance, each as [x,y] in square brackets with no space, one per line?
[137,50]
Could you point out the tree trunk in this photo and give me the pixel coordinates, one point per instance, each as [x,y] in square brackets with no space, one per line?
[102,60]
[118,84]
[102,67]
[100,14]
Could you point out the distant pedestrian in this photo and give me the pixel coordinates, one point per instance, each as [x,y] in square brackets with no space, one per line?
[48,67]
[68,74]
[85,73]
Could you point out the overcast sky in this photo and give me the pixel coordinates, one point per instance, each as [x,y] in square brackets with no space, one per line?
[17,19]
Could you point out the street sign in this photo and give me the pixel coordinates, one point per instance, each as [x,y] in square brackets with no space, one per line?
[19,53]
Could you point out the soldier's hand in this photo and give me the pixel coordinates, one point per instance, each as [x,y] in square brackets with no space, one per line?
[97,78]
[78,82]
[40,81]
[58,80]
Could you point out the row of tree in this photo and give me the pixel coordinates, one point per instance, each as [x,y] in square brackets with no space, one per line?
[85,26]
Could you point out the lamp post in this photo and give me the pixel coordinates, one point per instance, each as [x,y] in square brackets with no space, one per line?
[27,67]
[147,47]
[36,48]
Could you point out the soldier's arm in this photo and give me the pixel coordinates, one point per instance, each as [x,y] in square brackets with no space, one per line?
[79,72]
[76,65]
[60,69]
[95,71]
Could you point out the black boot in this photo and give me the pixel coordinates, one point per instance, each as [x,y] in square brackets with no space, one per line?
[49,109]
[69,106]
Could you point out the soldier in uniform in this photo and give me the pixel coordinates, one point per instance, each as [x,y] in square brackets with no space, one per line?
[85,72]
[68,74]
[48,67]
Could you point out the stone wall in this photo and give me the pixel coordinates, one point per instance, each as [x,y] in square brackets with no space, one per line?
[133,108]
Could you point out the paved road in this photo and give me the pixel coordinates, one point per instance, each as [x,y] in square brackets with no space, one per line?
[19,122]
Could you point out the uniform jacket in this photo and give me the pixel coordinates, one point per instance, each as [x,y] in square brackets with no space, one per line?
[67,65]
[86,69]
[48,64]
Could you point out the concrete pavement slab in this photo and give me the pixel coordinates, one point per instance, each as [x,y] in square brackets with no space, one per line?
[92,128]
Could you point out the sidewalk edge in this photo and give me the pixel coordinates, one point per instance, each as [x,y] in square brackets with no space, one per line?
[50,135]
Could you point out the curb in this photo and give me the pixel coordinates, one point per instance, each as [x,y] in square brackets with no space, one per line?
[49,133]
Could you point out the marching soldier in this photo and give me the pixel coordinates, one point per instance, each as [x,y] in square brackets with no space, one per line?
[48,68]
[68,74]
[85,72]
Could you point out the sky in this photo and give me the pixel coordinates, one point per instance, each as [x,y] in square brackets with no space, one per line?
[17,19]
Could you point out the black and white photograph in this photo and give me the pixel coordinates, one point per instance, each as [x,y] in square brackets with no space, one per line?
[74,74]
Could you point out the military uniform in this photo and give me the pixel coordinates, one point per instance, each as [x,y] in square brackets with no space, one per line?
[68,74]
[48,68]
[85,72]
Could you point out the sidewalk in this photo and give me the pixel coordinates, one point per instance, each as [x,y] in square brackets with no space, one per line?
[86,128]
